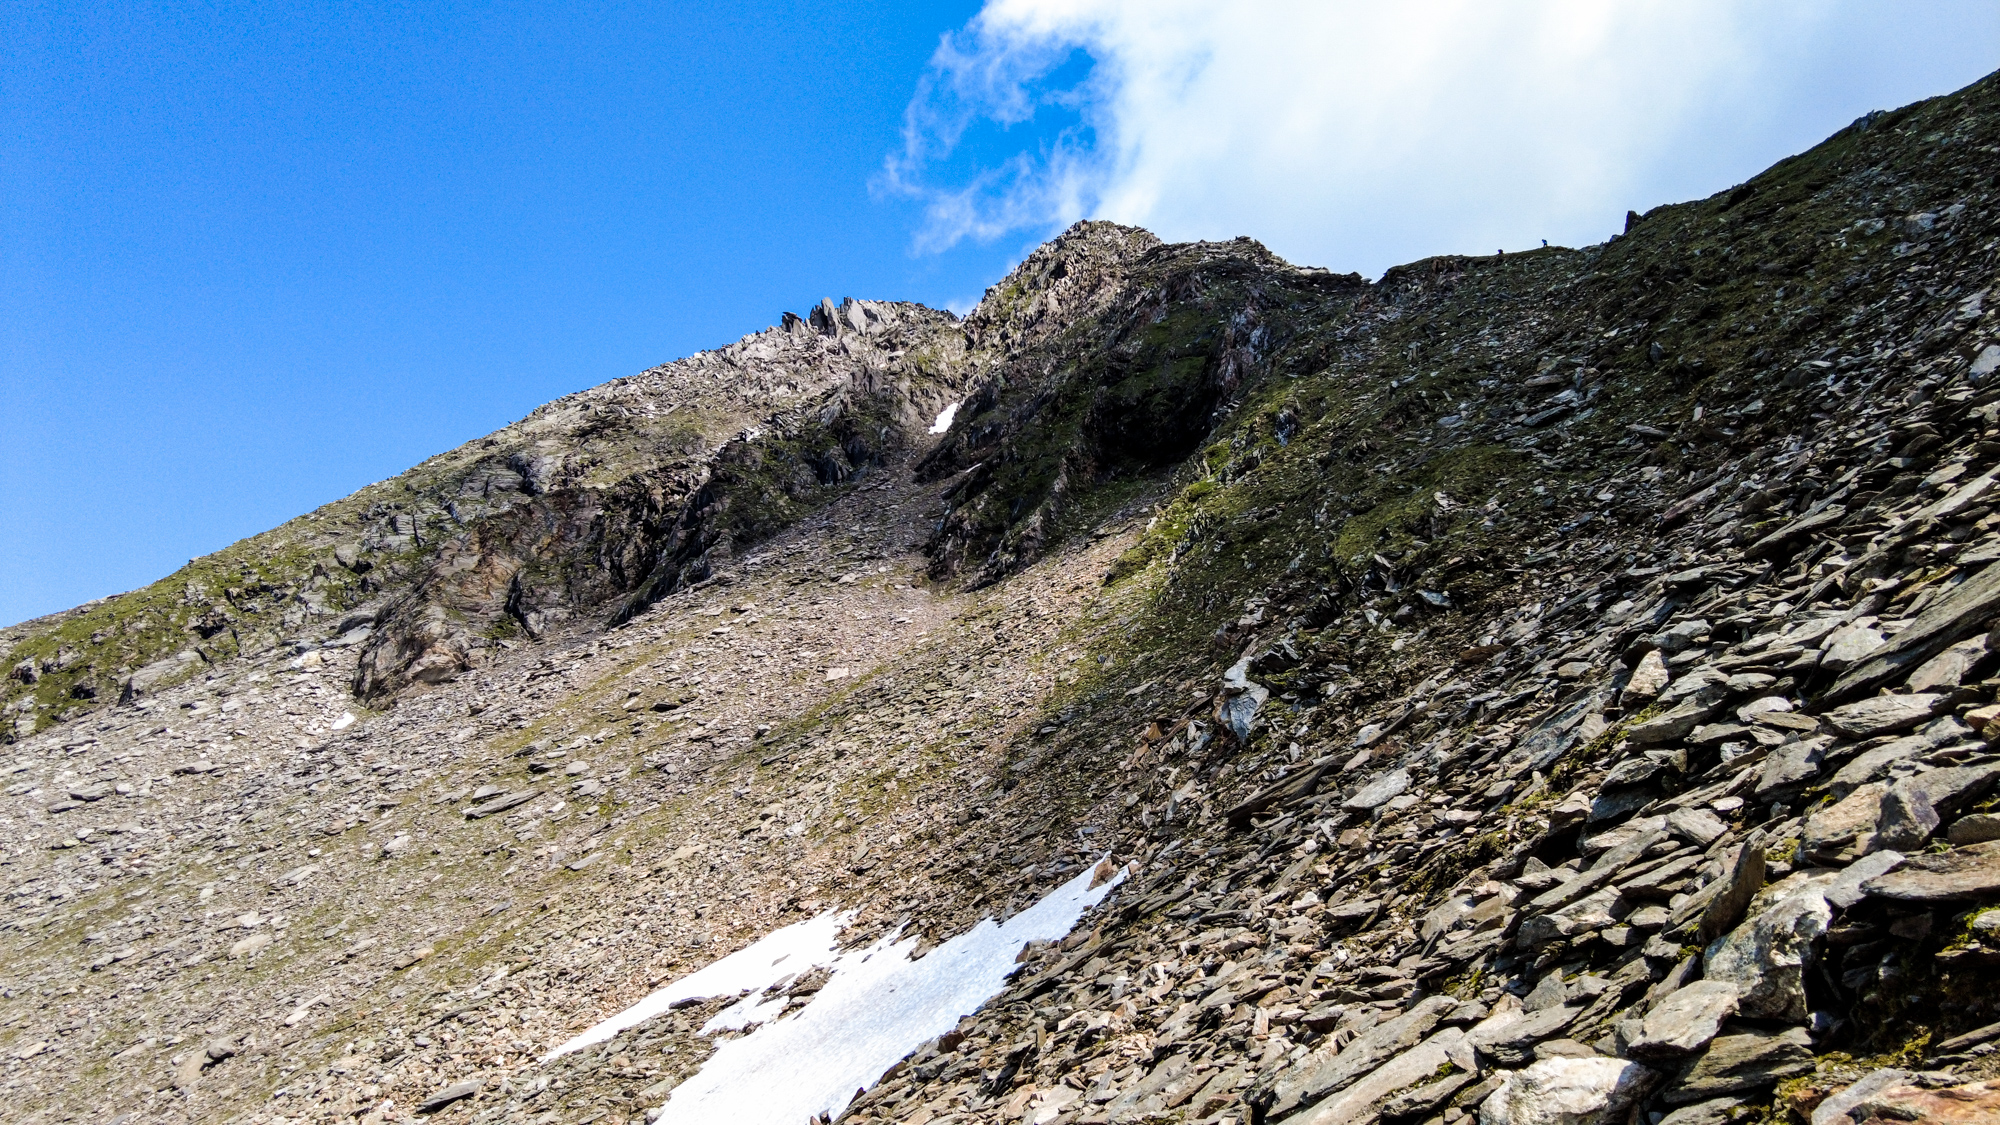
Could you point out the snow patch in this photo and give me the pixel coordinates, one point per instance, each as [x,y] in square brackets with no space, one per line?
[876,1007]
[944,418]
[773,957]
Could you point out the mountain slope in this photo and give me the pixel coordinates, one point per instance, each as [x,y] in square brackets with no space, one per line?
[1558,676]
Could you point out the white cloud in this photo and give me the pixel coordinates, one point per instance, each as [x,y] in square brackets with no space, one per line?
[1358,135]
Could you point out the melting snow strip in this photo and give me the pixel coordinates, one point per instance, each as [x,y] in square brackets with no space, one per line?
[771,958]
[944,418]
[875,1008]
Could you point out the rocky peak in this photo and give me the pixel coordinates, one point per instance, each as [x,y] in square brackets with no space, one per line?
[859,317]
[1058,283]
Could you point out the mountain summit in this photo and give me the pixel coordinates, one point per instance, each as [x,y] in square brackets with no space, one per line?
[1550,687]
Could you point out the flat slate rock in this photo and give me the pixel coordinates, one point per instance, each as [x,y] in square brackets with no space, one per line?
[1954,617]
[1326,1071]
[1734,1064]
[1511,1042]
[1884,714]
[457,1091]
[1780,541]
[1837,1109]
[1379,791]
[1685,1021]
[1951,789]
[501,804]
[1715,1111]
[1974,1103]
[1970,872]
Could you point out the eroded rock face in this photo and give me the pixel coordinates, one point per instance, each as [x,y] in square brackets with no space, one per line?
[822,410]
[1142,395]
[1480,730]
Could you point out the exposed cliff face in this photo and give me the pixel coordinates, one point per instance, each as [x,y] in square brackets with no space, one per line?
[1551,686]
[1122,356]
[602,536]
[584,510]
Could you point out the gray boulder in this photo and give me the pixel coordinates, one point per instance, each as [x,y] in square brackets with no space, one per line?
[1879,816]
[1845,830]
[1975,829]
[1238,711]
[1568,1091]
[1907,818]
[1648,679]
[1765,957]
[1735,890]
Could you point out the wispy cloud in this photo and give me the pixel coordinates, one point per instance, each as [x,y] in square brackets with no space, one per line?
[996,72]
[1356,135]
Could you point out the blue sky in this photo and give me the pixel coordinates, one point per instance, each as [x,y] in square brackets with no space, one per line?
[257,256]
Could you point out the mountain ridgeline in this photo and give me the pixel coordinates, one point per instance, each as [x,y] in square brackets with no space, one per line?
[1540,687]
